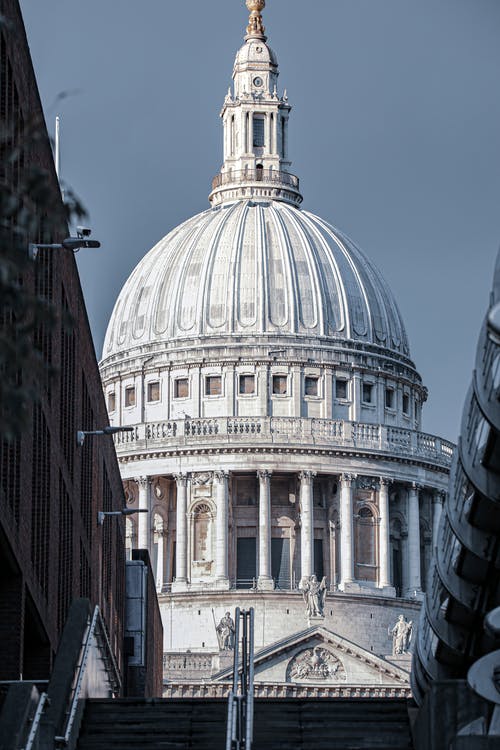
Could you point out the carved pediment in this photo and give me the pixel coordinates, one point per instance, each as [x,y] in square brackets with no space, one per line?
[318,656]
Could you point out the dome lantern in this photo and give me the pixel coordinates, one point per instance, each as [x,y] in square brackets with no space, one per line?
[255,121]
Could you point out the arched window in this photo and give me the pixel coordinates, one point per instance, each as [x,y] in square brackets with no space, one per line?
[366,562]
[202,528]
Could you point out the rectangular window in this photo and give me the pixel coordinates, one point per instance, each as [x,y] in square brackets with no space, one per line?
[181,388]
[154,391]
[130,395]
[213,385]
[367,393]
[247,384]
[258,131]
[280,385]
[111,401]
[389,398]
[311,385]
[341,388]
[406,403]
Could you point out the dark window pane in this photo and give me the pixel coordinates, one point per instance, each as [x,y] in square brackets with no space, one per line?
[311,386]
[279,384]
[111,401]
[389,398]
[258,132]
[280,563]
[154,391]
[213,385]
[247,384]
[246,562]
[181,388]
[406,403]
[367,393]
[341,388]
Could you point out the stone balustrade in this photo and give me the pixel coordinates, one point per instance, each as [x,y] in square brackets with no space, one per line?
[269,431]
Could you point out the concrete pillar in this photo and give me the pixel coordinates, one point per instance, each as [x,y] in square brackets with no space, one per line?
[306,524]
[181,533]
[437,509]
[221,529]
[346,532]
[143,519]
[384,537]
[265,578]
[414,588]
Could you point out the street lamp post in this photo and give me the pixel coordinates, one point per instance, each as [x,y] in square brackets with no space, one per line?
[101,514]
[82,434]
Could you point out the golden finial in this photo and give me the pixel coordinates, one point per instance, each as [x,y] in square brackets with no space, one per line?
[255,26]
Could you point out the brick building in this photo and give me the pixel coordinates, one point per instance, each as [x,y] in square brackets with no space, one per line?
[51,547]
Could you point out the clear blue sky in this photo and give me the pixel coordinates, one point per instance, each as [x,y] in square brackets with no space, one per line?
[395,133]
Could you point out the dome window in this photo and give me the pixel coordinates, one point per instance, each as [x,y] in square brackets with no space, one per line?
[280,385]
[111,401]
[341,389]
[389,398]
[130,396]
[406,403]
[311,385]
[181,388]
[368,393]
[247,385]
[213,385]
[154,391]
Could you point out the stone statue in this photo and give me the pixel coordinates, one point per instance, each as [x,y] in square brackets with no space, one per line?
[314,594]
[401,636]
[225,633]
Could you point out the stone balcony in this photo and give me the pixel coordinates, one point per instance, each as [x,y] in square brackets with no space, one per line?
[286,432]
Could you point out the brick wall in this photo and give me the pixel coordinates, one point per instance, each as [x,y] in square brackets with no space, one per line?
[51,548]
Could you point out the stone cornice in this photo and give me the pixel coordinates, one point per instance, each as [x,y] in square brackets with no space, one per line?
[207,689]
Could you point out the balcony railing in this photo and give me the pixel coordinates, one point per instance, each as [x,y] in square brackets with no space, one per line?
[238,177]
[289,431]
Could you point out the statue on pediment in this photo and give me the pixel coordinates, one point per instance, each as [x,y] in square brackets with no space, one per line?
[401,636]
[314,594]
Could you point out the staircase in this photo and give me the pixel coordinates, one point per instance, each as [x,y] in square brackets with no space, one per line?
[284,724]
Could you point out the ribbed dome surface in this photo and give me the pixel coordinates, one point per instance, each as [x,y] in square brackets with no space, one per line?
[255,269]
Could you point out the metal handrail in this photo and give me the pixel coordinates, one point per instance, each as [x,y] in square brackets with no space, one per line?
[36,721]
[95,622]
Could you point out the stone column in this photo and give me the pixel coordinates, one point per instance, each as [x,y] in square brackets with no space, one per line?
[160,565]
[306,524]
[384,535]
[346,532]
[221,529]
[181,533]
[143,519]
[265,578]
[437,509]
[414,585]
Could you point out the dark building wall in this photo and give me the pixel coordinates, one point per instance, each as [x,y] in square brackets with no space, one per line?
[51,548]
[145,679]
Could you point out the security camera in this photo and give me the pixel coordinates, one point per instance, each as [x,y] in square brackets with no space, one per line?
[83,231]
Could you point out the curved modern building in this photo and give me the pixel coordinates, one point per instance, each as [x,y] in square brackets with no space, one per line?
[262,361]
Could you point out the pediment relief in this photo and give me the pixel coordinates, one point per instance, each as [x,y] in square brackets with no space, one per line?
[313,665]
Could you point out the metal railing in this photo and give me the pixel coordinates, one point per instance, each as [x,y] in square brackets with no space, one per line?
[239,734]
[396,441]
[238,177]
[96,635]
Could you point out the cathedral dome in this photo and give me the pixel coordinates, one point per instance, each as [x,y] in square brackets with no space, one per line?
[255,268]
